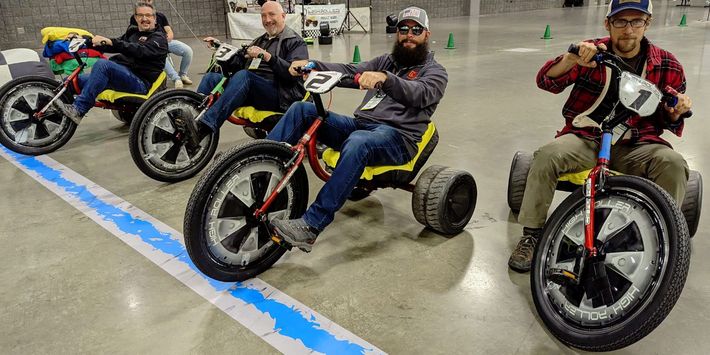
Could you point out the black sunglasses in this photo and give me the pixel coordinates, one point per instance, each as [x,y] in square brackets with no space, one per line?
[416,30]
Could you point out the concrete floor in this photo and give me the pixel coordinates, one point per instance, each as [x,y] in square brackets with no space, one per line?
[69,286]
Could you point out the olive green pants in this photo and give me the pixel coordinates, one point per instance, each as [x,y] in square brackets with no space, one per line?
[570,154]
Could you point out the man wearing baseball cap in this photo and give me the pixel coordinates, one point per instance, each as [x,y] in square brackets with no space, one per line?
[403,90]
[639,149]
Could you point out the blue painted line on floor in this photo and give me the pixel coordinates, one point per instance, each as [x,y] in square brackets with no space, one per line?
[288,321]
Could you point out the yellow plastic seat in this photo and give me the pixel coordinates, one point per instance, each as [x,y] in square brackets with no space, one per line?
[580,177]
[113,96]
[330,157]
[251,114]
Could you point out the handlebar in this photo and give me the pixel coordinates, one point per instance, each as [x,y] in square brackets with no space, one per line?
[670,95]
[347,80]
[574,49]
[215,44]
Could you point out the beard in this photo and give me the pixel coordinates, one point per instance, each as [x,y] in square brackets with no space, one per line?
[409,57]
[625,46]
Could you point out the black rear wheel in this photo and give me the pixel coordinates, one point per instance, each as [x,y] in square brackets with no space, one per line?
[222,237]
[123,116]
[20,130]
[641,267]
[447,199]
[517,179]
[159,147]
[693,201]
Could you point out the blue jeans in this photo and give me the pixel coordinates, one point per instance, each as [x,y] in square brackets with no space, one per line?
[243,89]
[208,82]
[182,50]
[360,143]
[105,75]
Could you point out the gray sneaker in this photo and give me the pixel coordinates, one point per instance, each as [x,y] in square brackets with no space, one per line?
[69,111]
[521,258]
[296,232]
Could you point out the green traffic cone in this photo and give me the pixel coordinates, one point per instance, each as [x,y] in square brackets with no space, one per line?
[451,45]
[683,22]
[356,55]
[548,33]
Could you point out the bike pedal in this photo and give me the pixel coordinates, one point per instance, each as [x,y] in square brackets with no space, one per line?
[282,243]
[563,277]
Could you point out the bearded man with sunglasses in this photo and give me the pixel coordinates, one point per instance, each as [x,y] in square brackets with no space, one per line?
[639,149]
[403,90]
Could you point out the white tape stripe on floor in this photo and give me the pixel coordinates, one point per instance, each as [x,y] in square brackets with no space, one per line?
[278,319]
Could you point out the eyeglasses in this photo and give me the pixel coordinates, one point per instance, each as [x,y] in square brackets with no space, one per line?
[144,15]
[416,30]
[635,23]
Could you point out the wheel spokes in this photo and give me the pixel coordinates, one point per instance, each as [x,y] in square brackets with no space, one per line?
[50,126]
[54,118]
[19,125]
[41,131]
[42,100]
[242,190]
[615,222]
[261,182]
[182,157]
[25,134]
[23,106]
[227,227]
[172,153]
[627,264]
[165,124]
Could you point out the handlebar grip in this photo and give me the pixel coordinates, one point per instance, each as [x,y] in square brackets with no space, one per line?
[356,80]
[671,101]
[670,96]
[573,48]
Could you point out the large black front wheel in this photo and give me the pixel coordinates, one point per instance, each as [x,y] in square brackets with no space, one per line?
[20,130]
[634,282]
[222,237]
[161,148]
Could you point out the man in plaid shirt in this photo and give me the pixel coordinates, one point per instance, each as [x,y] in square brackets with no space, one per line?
[639,151]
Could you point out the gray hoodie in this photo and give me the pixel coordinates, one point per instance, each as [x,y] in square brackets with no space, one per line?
[412,94]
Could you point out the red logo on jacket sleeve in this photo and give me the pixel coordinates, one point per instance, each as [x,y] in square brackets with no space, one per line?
[412,74]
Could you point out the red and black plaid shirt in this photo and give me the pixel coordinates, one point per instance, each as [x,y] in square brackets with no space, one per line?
[662,69]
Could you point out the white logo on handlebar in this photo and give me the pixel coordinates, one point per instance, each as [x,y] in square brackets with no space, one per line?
[225,52]
[638,95]
[75,44]
[322,81]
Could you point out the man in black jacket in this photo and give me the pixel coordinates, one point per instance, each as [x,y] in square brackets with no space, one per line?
[142,52]
[266,83]
[404,89]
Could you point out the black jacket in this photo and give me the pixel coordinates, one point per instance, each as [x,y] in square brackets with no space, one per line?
[143,53]
[290,47]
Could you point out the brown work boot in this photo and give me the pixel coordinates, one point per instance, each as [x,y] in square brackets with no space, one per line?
[521,258]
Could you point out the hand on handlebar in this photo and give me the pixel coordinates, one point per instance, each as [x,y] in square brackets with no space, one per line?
[295,66]
[258,52]
[71,36]
[682,106]
[585,54]
[101,41]
[212,42]
[371,80]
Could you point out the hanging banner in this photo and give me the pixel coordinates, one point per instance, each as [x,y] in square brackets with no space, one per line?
[248,26]
[315,15]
